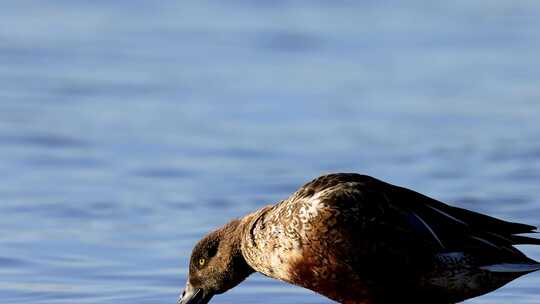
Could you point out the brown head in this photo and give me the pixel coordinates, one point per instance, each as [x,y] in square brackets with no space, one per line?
[216,265]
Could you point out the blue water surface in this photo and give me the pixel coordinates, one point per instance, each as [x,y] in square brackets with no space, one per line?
[128,129]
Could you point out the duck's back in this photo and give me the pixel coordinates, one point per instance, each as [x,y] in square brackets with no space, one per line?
[357,239]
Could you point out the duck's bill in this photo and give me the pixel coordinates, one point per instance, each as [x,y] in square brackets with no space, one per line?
[194,296]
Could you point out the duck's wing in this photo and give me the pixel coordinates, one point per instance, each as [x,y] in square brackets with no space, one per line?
[458,229]
[428,223]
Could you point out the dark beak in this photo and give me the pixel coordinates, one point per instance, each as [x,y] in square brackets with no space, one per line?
[194,296]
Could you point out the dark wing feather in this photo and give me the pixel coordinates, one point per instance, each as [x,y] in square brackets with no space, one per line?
[486,222]
[465,230]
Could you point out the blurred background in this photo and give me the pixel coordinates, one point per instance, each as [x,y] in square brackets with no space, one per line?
[128,129]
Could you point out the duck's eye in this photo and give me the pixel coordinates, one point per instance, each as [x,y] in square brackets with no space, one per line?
[201,262]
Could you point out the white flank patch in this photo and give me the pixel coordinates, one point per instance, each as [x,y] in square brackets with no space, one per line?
[314,206]
[507,267]
[311,209]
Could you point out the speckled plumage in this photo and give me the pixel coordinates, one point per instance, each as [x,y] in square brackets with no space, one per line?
[356,239]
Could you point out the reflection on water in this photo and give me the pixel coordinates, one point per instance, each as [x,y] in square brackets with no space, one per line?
[128,131]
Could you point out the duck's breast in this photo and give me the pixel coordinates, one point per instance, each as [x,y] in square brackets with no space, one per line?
[309,242]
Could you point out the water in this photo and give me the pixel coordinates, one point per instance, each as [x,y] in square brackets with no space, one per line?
[130,129]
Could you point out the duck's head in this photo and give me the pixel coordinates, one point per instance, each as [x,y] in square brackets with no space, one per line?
[216,265]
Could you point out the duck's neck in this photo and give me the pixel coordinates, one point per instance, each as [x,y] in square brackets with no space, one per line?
[252,236]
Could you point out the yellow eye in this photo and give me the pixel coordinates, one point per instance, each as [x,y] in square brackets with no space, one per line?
[201,262]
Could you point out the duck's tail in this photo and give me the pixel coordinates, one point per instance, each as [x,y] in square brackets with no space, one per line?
[524,240]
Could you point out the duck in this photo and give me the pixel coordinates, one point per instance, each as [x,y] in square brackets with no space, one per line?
[356,239]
